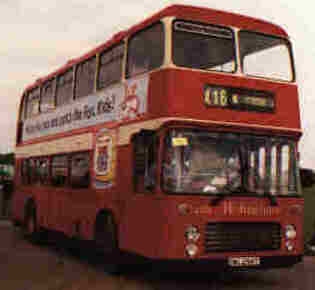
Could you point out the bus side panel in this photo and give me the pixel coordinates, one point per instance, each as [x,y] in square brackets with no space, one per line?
[17,207]
[16,196]
[19,195]
[86,204]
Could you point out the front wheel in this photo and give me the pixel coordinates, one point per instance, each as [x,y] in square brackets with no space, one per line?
[107,243]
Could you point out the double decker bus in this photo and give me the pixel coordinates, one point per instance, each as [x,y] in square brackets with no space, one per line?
[176,140]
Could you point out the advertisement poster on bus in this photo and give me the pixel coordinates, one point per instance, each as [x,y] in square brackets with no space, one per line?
[134,101]
[120,102]
[104,158]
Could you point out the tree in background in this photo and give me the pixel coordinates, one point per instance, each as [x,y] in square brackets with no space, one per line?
[307,177]
[7,158]
[6,181]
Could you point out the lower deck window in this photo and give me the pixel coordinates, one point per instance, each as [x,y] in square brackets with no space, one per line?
[80,175]
[59,170]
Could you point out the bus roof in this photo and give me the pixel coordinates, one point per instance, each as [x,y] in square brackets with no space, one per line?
[192,13]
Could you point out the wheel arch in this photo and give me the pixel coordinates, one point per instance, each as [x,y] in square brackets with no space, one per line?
[29,204]
[101,214]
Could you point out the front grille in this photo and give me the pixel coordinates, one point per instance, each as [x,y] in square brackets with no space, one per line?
[235,237]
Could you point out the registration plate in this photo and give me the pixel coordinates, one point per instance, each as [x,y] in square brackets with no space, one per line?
[244,261]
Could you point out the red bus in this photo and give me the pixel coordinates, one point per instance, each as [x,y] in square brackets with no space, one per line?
[176,140]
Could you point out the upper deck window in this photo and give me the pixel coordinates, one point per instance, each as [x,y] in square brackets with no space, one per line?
[32,107]
[110,67]
[47,101]
[64,93]
[85,76]
[203,46]
[265,56]
[23,110]
[146,50]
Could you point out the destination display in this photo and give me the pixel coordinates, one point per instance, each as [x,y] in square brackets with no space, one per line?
[238,99]
[210,30]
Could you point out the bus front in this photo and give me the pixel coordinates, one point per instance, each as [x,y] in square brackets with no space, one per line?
[228,163]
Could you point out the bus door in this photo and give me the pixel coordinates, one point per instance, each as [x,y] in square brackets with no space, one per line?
[143,204]
[59,195]
[80,198]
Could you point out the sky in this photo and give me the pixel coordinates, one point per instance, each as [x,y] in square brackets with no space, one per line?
[37,37]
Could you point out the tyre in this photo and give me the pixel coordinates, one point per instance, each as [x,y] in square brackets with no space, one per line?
[30,226]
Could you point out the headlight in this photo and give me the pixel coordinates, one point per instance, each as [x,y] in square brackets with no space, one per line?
[191,250]
[192,233]
[290,232]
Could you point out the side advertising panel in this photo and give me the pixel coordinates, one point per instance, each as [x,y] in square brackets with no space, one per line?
[119,102]
[105,158]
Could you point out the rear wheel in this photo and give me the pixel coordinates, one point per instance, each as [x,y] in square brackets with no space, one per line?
[30,227]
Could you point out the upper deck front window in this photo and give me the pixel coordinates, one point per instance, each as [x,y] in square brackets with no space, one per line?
[202,46]
[265,56]
[146,50]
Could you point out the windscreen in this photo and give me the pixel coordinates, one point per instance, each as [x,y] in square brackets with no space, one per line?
[265,56]
[202,46]
[201,162]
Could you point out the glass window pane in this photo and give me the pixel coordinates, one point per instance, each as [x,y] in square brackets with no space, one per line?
[199,162]
[262,168]
[25,172]
[273,171]
[284,179]
[64,93]
[146,50]
[265,56]
[110,70]
[24,108]
[292,169]
[47,101]
[203,46]
[59,170]
[85,76]
[43,170]
[80,174]
[217,163]
[33,103]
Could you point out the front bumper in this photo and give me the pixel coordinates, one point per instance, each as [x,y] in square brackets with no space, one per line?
[217,265]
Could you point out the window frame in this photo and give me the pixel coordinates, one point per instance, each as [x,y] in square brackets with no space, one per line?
[234,41]
[128,75]
[54,90]
[48,178]
[99,64]
[76,79]
[58,76]
[27,114]
[151,148]
[23,108]
[291,141]
[25,165]
[290,51]
[66,182]
[90,160]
